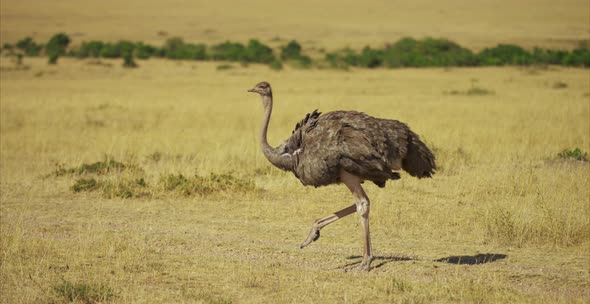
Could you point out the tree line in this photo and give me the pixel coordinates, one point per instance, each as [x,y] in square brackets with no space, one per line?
[406,52]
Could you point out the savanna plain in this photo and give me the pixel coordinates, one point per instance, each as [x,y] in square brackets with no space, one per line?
[505,219]
[147,185]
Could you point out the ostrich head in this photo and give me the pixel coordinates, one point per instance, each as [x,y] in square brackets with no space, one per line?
[262,88]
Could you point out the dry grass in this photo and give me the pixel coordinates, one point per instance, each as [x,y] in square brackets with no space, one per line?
[502,191]
[324,24]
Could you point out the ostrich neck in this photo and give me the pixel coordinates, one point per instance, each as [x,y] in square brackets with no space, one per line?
[273,155]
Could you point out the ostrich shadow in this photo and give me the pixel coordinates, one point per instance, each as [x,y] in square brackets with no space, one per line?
[481,258]
[380,259]
[477,259]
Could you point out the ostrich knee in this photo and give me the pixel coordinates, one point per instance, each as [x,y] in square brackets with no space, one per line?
[362,207]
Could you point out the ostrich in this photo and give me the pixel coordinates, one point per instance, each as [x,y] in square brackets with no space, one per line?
[346,147]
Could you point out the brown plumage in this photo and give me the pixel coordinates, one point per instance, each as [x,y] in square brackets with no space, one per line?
[346,147]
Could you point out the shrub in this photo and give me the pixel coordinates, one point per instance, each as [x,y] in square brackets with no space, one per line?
[292,53]
[504,54]
[176,48]
[56,47]
[342,58]
[7,47]
[128,61]
[235,51]
[276,65]
[110,50]
[90,49]
[116,50]
[29,47]
[578,57]
[145,51]
[370,58]
[258,52]
[291,50]
[543,56]
[408,52]
[230,51]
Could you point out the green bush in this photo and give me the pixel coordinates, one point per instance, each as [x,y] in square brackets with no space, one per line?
[176,48]
[258,52]
[292,52]
[235,51]
[504,54]
[57,47]
[578,57]
[116,50]
[7,47]
[406,52]
[370,58]
[276,65]
[128,61]
[89,49]
[29,47]
[110,50]
[542,56]
[409,52]
[145,51]
[342,58]
[229,51]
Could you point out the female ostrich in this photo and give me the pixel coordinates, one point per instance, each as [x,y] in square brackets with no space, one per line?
[346,147]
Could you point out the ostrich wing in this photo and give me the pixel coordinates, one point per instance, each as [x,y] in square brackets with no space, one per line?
[355,142]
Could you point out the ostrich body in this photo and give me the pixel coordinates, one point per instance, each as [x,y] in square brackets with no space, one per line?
[346,147]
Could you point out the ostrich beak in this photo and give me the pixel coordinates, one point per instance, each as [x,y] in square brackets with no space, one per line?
[252,90]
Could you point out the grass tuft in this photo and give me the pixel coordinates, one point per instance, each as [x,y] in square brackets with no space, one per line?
[124,187]
[108,165]
[199,185]
[540,224]
[476,91]
[225,66]
[85,184]
[83,292]
[575,154]
[473,91]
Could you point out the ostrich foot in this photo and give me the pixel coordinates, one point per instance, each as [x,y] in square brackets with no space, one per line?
[314,234]
[365,264]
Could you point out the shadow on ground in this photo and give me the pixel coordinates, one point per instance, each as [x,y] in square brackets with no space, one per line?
[481,258]
[379,261]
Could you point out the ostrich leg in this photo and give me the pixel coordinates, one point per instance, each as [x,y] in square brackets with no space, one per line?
[314,234]
[362,206]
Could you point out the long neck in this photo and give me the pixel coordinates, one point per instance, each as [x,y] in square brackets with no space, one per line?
[274,156]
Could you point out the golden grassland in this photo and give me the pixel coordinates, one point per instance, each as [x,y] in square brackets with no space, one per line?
[501,197]
[317,24]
